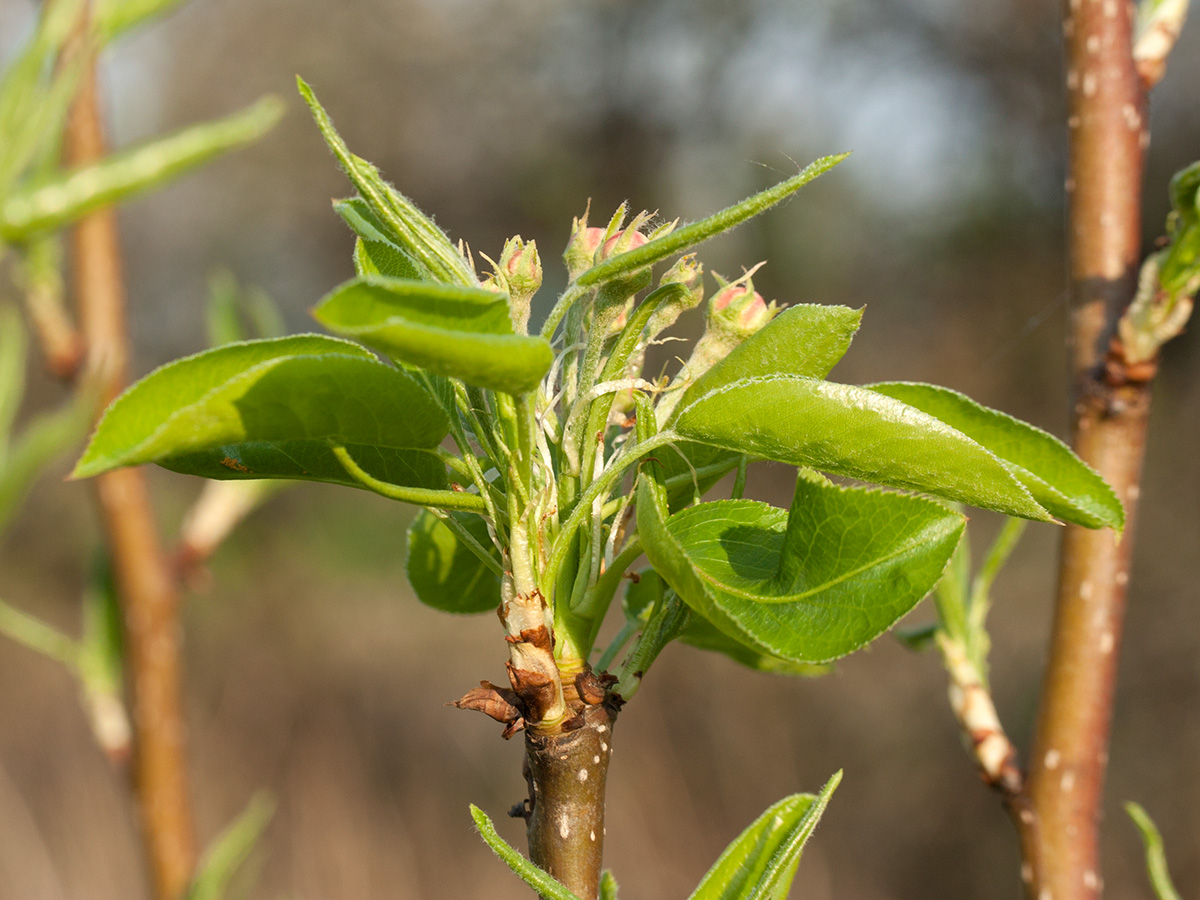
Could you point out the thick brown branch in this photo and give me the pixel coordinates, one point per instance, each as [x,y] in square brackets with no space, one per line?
[145,582]
[1059,815]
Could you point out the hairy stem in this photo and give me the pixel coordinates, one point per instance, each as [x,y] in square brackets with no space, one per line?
[146,583]
[1059,814]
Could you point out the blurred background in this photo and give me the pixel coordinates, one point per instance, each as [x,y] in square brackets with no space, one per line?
[311,670]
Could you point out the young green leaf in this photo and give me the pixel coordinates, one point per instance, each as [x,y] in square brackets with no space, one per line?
[1058,479]
[230,851]
[271,408]
[852,431]
[608,885]
[809,585]
[1156,858]
[802,340]
[543,882]
[703,635]
[66,197]
[761,862]
[447,575]
[690,235]
[461,332]
[397,216]
[385,258]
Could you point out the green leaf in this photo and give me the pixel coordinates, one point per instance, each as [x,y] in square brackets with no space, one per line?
[114,17]
[455,331]
[703,635]
[1156,858]
[856,432]
[1058,479]
[13,351]
[690,235]
[398,218]
[809,585]
[761,862]
[549,887]
[272,409]
[69,195]
[608,885]
[230,851]
[447,575]
[385,258]
[802,340]
[45,439]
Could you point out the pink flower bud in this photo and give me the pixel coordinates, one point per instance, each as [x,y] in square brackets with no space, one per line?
[740,309]
[620,242]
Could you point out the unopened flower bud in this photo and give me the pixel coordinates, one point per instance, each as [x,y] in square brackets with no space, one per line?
[582,246]
[520,270]
[739,310]
[621,242]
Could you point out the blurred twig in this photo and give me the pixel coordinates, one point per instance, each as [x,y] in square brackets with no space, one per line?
[1058,815]
[145,582]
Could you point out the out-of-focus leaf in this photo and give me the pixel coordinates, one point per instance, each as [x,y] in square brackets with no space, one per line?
[112,18]
[229,852]
[455,331]
[42,441]
[810,585]
[608,885]
[856,432]
[67,196]
[761,862]
[1058,479]
[13,348]
[1156,857]
[447,575]
[543,882]
[272,409]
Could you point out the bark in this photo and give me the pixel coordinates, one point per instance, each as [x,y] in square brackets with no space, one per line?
[564,814]
[1059,813]
[145,581]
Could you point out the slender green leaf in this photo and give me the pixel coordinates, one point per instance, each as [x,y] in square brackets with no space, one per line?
[856,432]
[66,197]
[402,223]
[46,438]
[455,331]
[761,862]
[447,575]
[802,340]
[690,235]
[32,632]
[231,849]
[810,585]
[1058,479]
[545,884]
[13,348]
[274,409]
[1156,857]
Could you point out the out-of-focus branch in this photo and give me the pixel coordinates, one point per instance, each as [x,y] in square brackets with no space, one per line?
[1059,815]
[145,582]
[1159,23]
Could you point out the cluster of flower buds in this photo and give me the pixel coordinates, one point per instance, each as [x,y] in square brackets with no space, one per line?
[518,274]
[735,312]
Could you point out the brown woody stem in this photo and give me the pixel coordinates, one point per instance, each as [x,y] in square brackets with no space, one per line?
[1058,815]
[145,582]
[566,772]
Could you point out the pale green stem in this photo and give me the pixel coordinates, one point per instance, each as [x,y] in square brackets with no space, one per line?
[419,496]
